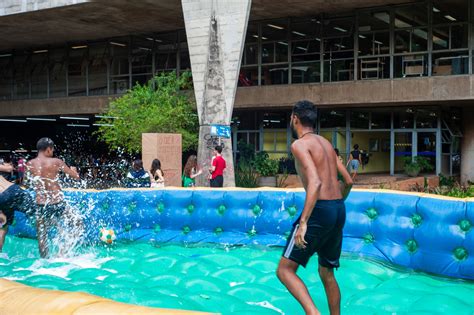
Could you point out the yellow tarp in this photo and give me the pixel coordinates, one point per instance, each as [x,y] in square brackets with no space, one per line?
[19,299]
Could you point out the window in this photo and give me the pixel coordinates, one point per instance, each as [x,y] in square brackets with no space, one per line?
[305,50]
[142,58]
[450,37]
[359,119]
[77,71]
[57,73]
[274,51]
[380,120]
[450,11]
[338,47]
[404,119]
[333,118]
[426,118]
[39,75]
[120,70]
[6,73]
[98,60]
[21,77]
[411,15]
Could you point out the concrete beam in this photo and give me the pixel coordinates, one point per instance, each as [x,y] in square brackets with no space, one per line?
[55,106]
[361,93]
[8,7]
[449,90]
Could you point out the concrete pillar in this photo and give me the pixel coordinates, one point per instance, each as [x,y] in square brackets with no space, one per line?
[467,146]
[215,30]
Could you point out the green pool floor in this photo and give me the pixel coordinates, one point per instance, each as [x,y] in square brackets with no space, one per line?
[229,280]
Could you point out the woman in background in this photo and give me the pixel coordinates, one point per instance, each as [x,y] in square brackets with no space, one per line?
[355,160]
[157,179]
[191,172]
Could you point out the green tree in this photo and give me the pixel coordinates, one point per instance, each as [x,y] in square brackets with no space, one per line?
[160,106]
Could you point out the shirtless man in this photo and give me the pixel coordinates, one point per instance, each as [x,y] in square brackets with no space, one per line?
[52,210]
[12,198]
[319,227]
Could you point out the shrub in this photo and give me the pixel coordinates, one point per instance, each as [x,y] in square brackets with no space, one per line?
[245,175]
[264,165]
[414,166]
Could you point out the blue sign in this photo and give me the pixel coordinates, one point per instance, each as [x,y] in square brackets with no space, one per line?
[220,131]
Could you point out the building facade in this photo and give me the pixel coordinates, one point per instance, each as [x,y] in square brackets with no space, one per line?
[394,77]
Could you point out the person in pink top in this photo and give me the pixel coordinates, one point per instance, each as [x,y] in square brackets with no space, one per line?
[21,170]
[218,167]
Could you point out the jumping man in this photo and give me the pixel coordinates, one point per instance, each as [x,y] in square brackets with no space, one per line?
[52,210]
[319,227]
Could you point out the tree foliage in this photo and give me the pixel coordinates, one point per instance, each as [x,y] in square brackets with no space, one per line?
[160,106]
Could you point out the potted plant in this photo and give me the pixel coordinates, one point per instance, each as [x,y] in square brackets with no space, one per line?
[413,167]
[267,169]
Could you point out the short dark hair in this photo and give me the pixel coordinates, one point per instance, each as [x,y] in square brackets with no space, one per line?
[137,165]
[218,149]
[44,143]
[306,113]
[356,146]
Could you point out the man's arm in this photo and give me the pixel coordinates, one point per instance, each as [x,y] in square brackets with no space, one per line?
[347,185]
[70,171]
[213,165]
[312,183]
[7,168]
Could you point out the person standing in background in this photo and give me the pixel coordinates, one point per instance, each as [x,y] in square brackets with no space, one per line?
[191,171]
[137,177]
[355,160]
[217,169]
[157,179]
[21,170]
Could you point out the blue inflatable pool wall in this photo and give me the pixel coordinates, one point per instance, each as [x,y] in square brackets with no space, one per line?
[424,233]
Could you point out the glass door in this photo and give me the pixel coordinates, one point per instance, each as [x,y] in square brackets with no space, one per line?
[426,148]
[403,148]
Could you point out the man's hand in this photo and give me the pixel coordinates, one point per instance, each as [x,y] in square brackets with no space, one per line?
[3,220]
[300,242]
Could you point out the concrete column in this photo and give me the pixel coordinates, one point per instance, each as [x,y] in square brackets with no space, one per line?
[467,146]
[215,30]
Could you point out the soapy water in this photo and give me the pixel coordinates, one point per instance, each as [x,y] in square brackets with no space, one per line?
[229,280]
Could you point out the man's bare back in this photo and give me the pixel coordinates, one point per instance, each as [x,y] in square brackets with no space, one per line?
[322,155]
[44,172]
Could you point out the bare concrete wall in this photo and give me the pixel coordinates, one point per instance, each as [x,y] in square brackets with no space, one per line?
[8,7]
[55,106]
[413,91]
[367,93]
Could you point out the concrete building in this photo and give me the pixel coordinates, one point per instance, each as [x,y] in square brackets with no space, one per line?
[394,76]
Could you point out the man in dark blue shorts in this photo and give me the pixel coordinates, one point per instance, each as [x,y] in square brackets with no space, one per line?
[319,227]
[12,198]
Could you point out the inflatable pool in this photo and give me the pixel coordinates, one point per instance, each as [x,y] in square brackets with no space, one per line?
[216,251]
